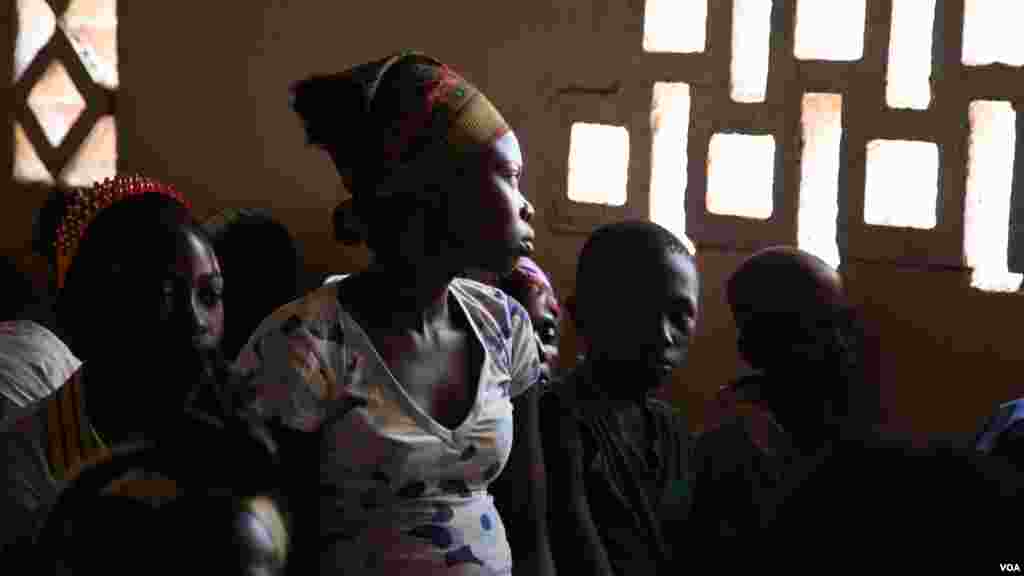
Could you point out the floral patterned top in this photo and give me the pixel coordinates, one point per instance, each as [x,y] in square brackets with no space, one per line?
[409,495]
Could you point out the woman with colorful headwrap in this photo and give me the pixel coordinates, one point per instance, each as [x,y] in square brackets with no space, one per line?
[404,372]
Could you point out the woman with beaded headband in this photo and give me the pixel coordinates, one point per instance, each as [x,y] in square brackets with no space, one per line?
[140,305]
[404,373]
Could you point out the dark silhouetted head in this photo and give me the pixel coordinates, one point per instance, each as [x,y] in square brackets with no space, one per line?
[637,299]
[262,269]
[795,324]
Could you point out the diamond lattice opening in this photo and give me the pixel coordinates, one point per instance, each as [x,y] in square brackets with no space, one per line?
[36,25]
[96,159]
[27,165]
[56,102]
[91,26]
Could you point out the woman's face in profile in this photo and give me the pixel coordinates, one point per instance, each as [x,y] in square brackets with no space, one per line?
[493,216]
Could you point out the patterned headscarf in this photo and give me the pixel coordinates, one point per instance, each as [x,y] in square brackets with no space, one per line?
[396,147]
[455,115]
[531,274]
[85,204]
[527,274]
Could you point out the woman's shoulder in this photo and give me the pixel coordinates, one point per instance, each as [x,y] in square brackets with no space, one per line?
[491,304]
[479,292]
[320,305]
[34,362]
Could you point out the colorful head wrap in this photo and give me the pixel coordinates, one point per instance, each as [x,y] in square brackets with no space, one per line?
[531,273]
[85,204]
[393,148]
[527,274]
[455,115]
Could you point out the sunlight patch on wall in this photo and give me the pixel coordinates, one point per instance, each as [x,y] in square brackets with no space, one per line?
[36,25]
[96,159]
[27,165]
[907,82]
[741,173]
[989,185]
[829,30]
[598,163]
[675,26]
[91,25]
[992,33]
[751,33]
[670,123]
[818,211]
[901,183]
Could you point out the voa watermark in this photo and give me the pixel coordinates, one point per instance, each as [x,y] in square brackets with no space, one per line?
[1010,567]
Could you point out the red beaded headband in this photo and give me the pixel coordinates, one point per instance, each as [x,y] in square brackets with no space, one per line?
[85,204]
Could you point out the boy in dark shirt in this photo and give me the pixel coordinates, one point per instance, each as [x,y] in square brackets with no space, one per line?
[616,459]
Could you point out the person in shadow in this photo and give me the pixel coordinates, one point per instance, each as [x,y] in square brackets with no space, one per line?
[616,459]
[146,324]
[798,332]
[262,269]
[533,289]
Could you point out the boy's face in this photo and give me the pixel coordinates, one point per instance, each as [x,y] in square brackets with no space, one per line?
[652,320]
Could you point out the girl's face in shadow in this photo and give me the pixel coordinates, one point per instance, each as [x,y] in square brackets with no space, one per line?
[193,290]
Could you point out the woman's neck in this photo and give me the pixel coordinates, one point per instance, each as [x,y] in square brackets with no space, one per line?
[416,296]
